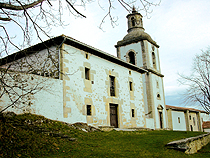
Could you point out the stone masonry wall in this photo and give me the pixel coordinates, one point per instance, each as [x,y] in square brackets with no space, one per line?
[190,145]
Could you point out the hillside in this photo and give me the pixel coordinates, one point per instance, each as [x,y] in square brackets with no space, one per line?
[35,136]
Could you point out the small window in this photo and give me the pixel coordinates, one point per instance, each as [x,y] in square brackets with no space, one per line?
[87,74]
[131,86]
[153,60]
[194,121]
[153,48]
[132,112]
[87,56]
[158,96]
[129,72]
[190,117]
[178,119]
[157,84]
[112,85]
[88,109]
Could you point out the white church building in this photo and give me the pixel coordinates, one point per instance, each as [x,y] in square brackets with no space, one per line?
[79,83]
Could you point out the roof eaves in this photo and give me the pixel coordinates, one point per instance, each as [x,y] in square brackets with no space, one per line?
[102,54]
[184,109]
[73,42]
[134,40]
[30,50]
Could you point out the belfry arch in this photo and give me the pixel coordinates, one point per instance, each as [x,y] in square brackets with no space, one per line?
[131,57]
[133,21]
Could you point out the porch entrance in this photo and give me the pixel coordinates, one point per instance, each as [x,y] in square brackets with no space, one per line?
[160,111]
[161,119]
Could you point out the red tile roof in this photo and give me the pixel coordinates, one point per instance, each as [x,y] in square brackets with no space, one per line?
[206,124]
[183,109]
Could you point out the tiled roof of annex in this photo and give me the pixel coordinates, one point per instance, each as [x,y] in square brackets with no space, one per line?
[184,109]
[206,124]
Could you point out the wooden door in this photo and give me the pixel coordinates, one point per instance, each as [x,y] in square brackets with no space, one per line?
[113,115]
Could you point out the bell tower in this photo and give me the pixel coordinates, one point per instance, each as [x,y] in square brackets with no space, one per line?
[139,49]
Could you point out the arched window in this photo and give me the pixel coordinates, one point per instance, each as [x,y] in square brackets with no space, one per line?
[133,21]
[153,60]
[131,56]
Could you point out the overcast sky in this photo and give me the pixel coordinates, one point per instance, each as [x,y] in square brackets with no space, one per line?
[180,27]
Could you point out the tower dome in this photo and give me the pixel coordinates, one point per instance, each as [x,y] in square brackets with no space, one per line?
[135,30]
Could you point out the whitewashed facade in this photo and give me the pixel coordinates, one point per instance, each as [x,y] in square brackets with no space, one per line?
[83,84]
[178,122]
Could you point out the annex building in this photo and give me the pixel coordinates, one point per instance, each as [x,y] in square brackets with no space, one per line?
[187,119]
[73,82]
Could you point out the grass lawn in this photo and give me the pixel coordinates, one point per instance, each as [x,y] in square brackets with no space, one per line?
[17,140]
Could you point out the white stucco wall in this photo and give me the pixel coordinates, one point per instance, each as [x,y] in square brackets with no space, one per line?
[150,123]
[176,125]
[206,130]
[44,62]
[80,92]
[47,99]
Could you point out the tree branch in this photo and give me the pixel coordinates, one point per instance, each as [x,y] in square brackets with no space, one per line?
[5,19]
[75,9]
[22,7]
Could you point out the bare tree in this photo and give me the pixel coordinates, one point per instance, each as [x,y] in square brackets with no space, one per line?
[198,82]
[33,19]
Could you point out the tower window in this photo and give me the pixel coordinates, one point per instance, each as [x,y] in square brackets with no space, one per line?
[131,86]
[131,56]
[112,85]
[132,112]
[88,109]
[157,84]
[87,74]
[153,60]
[133,21]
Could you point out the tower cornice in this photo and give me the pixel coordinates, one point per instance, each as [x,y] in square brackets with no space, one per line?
[136,31]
